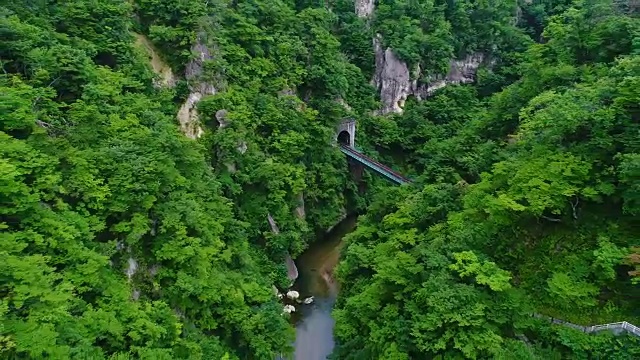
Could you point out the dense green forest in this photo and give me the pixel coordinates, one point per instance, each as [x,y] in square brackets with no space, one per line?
[529,196]
[124,236]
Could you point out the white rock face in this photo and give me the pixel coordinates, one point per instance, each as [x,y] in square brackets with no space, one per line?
[460,72]
[188,113]
[188,116]
[132,267]
[300,211]
[221,116]
[393,77]
[272,223]
[292,269]
[159,67]
[231,167]
[364,8]
[242,147]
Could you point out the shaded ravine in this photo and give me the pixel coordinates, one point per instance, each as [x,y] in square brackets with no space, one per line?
[314,324]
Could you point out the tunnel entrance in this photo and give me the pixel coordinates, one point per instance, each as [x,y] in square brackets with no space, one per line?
[346,133]
[344,138]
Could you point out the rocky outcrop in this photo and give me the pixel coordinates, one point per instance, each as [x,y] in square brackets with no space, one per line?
[242,147]
[159,67]
[460,72]
[273,225]
[198,87]
[188,116]
[195,68]
[364,8]
[300,212]
[221,117]
[392,78]
[287,92]
[292,270]
[132,267]
[396,82]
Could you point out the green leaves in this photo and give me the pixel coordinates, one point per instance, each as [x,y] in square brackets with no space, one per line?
[567,292]
[96,180]
[607,257]
[629,175]
[531,192]
[396,277]
[543,184]
[486,273]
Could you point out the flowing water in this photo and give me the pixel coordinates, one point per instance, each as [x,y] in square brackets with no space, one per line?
[314,324]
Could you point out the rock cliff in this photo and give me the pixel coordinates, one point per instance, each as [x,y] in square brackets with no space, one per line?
[292,270]
[159,67]
[395,81]
[198,87]
[460,72]
[392,78]
[364,8]
[300,210]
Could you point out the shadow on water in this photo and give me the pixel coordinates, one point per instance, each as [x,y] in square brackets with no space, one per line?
[314,324]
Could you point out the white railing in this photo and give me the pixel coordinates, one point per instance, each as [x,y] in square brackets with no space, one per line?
[619,326]
[616,327]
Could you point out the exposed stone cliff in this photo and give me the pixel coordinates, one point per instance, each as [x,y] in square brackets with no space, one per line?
[159,67]
[364,8]
[460,72]
[392,78]
[292,270]
[396,81]
[188,113]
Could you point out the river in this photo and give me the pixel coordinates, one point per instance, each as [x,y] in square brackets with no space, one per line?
[314,324]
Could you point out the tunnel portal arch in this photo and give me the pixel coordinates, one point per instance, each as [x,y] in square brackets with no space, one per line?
[346,132]
[344,138]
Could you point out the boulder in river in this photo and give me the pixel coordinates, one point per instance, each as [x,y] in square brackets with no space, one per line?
[308,300]
[293,295]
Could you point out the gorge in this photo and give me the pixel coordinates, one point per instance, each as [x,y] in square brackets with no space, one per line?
[165,164]
[314,324]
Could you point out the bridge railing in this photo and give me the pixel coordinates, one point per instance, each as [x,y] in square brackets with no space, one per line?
[381,167]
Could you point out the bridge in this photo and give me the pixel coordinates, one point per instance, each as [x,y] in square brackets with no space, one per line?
[371,164]
[346,136]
